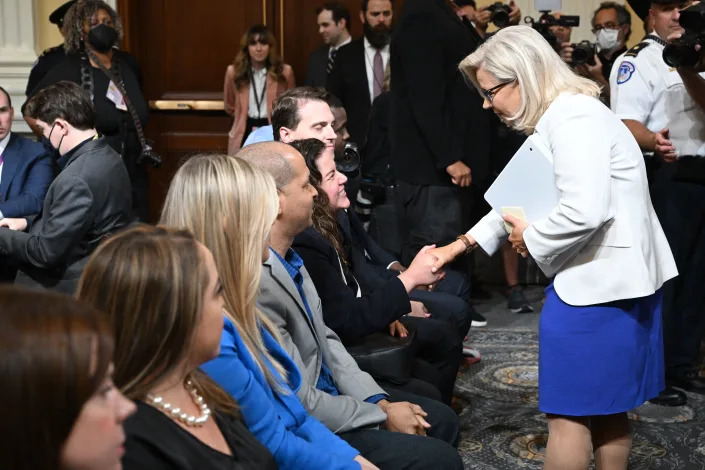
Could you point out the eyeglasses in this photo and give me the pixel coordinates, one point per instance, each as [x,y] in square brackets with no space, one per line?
[608,25]
[490,94]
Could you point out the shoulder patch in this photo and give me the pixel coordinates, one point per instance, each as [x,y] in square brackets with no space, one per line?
[625,72]
[634,51]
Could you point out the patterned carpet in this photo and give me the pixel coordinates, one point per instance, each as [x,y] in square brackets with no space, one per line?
[503,429]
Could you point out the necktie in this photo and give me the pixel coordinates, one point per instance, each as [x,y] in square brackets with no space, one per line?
[331,60]
[378,74]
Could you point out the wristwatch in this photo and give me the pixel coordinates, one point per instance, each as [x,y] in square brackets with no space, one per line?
[468,246]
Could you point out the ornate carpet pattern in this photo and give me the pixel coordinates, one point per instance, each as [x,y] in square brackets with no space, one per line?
[503,429]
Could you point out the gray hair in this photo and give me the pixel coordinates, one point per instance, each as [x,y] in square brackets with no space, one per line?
[271,157]
[522,54]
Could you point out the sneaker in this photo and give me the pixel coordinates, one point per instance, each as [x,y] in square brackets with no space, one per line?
[469,351]
[517,303]
[477,319]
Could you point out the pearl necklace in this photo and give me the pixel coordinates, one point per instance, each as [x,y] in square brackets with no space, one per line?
[175,412]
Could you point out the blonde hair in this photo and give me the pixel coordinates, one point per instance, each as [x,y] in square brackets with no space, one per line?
[522,54]
[151,282]
[230,206]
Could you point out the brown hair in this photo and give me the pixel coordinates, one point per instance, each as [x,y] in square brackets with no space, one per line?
[151,283]
[54,354]
[243,64]
[324,220]
[285,108]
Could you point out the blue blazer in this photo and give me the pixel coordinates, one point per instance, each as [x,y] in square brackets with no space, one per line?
[27,172]
[278,420]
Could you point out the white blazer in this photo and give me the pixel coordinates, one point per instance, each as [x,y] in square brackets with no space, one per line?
[603,241]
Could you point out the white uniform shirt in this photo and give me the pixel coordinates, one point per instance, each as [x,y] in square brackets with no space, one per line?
[646,89]
[258,86]
[370,52]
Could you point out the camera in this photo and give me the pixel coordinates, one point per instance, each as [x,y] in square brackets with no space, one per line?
[499,14]
[349,162]
[148,156]
[584,53]
[681,52]
[546,20]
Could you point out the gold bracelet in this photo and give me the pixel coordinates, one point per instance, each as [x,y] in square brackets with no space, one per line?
[468,246]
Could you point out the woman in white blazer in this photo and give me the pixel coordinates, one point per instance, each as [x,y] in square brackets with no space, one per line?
[600,341]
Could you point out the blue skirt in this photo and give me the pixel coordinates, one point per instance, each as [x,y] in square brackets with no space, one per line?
[599,359]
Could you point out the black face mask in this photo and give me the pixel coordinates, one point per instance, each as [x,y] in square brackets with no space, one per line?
[379,36]
[51,150]
[102,37]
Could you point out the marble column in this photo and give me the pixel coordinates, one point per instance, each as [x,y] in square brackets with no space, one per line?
[17,39]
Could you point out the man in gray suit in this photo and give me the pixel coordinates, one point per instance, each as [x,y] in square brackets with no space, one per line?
[89,199]
[382,425]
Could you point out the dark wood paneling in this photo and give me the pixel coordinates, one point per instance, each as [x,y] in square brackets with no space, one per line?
[184,47]
[297,29]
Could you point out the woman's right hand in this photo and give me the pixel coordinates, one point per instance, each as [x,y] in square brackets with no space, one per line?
[448,253]
[365,464]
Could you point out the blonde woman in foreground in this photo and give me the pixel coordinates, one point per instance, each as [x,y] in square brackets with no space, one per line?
[600,340]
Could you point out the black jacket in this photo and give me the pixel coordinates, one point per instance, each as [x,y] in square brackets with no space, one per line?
[316,73]
[348,81]
[437,117]
[88,200]
[351,317]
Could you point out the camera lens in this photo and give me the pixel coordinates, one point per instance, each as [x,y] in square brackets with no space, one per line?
[500,18]
[681,53]
[349,162]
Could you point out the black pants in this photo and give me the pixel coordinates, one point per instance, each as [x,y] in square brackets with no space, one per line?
[680,207]
[449,302]
[392,450]
[430,214]
[439,346]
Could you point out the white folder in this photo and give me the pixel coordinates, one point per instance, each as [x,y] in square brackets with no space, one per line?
[527,181]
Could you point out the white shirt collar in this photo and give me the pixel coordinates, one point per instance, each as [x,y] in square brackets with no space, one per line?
[4,142]
[335,48]
[261,72]
[370,47]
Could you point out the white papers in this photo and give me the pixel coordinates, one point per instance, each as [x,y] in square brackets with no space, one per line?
[527,181]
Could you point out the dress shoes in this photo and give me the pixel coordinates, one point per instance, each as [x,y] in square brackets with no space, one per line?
[670,397]
[687,379]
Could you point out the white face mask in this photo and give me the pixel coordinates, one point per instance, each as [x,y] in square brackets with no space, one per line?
[608,39]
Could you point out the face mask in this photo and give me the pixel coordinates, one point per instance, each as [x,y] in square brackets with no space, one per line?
[46,142]
[608,39]
[102,37]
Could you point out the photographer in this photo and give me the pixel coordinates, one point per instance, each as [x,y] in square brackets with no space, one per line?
[498,13]
[661,106]
[611,25]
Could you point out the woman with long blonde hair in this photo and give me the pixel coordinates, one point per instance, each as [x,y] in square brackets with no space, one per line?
[161,291]
[252,82]
[600,335]
[230,206]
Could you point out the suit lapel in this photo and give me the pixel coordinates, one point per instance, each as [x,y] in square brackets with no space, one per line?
[281,276]
[272,88]
[11,158]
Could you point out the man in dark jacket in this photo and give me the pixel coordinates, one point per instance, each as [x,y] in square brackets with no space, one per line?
[439,137]
[89,199]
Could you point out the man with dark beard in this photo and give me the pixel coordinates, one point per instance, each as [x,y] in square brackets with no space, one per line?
[358,72]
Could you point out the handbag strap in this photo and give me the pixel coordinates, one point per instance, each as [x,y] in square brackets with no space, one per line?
[120,86]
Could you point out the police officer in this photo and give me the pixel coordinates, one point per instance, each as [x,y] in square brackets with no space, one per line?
[663,108]
[52,56]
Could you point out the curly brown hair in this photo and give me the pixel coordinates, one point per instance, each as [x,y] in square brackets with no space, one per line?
[324,220]
[242,63]
[78,14]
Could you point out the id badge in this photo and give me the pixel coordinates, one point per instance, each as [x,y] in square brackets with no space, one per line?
[114,95]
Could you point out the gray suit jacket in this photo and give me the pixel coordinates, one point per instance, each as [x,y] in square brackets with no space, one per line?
[308,342]
[90,199]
